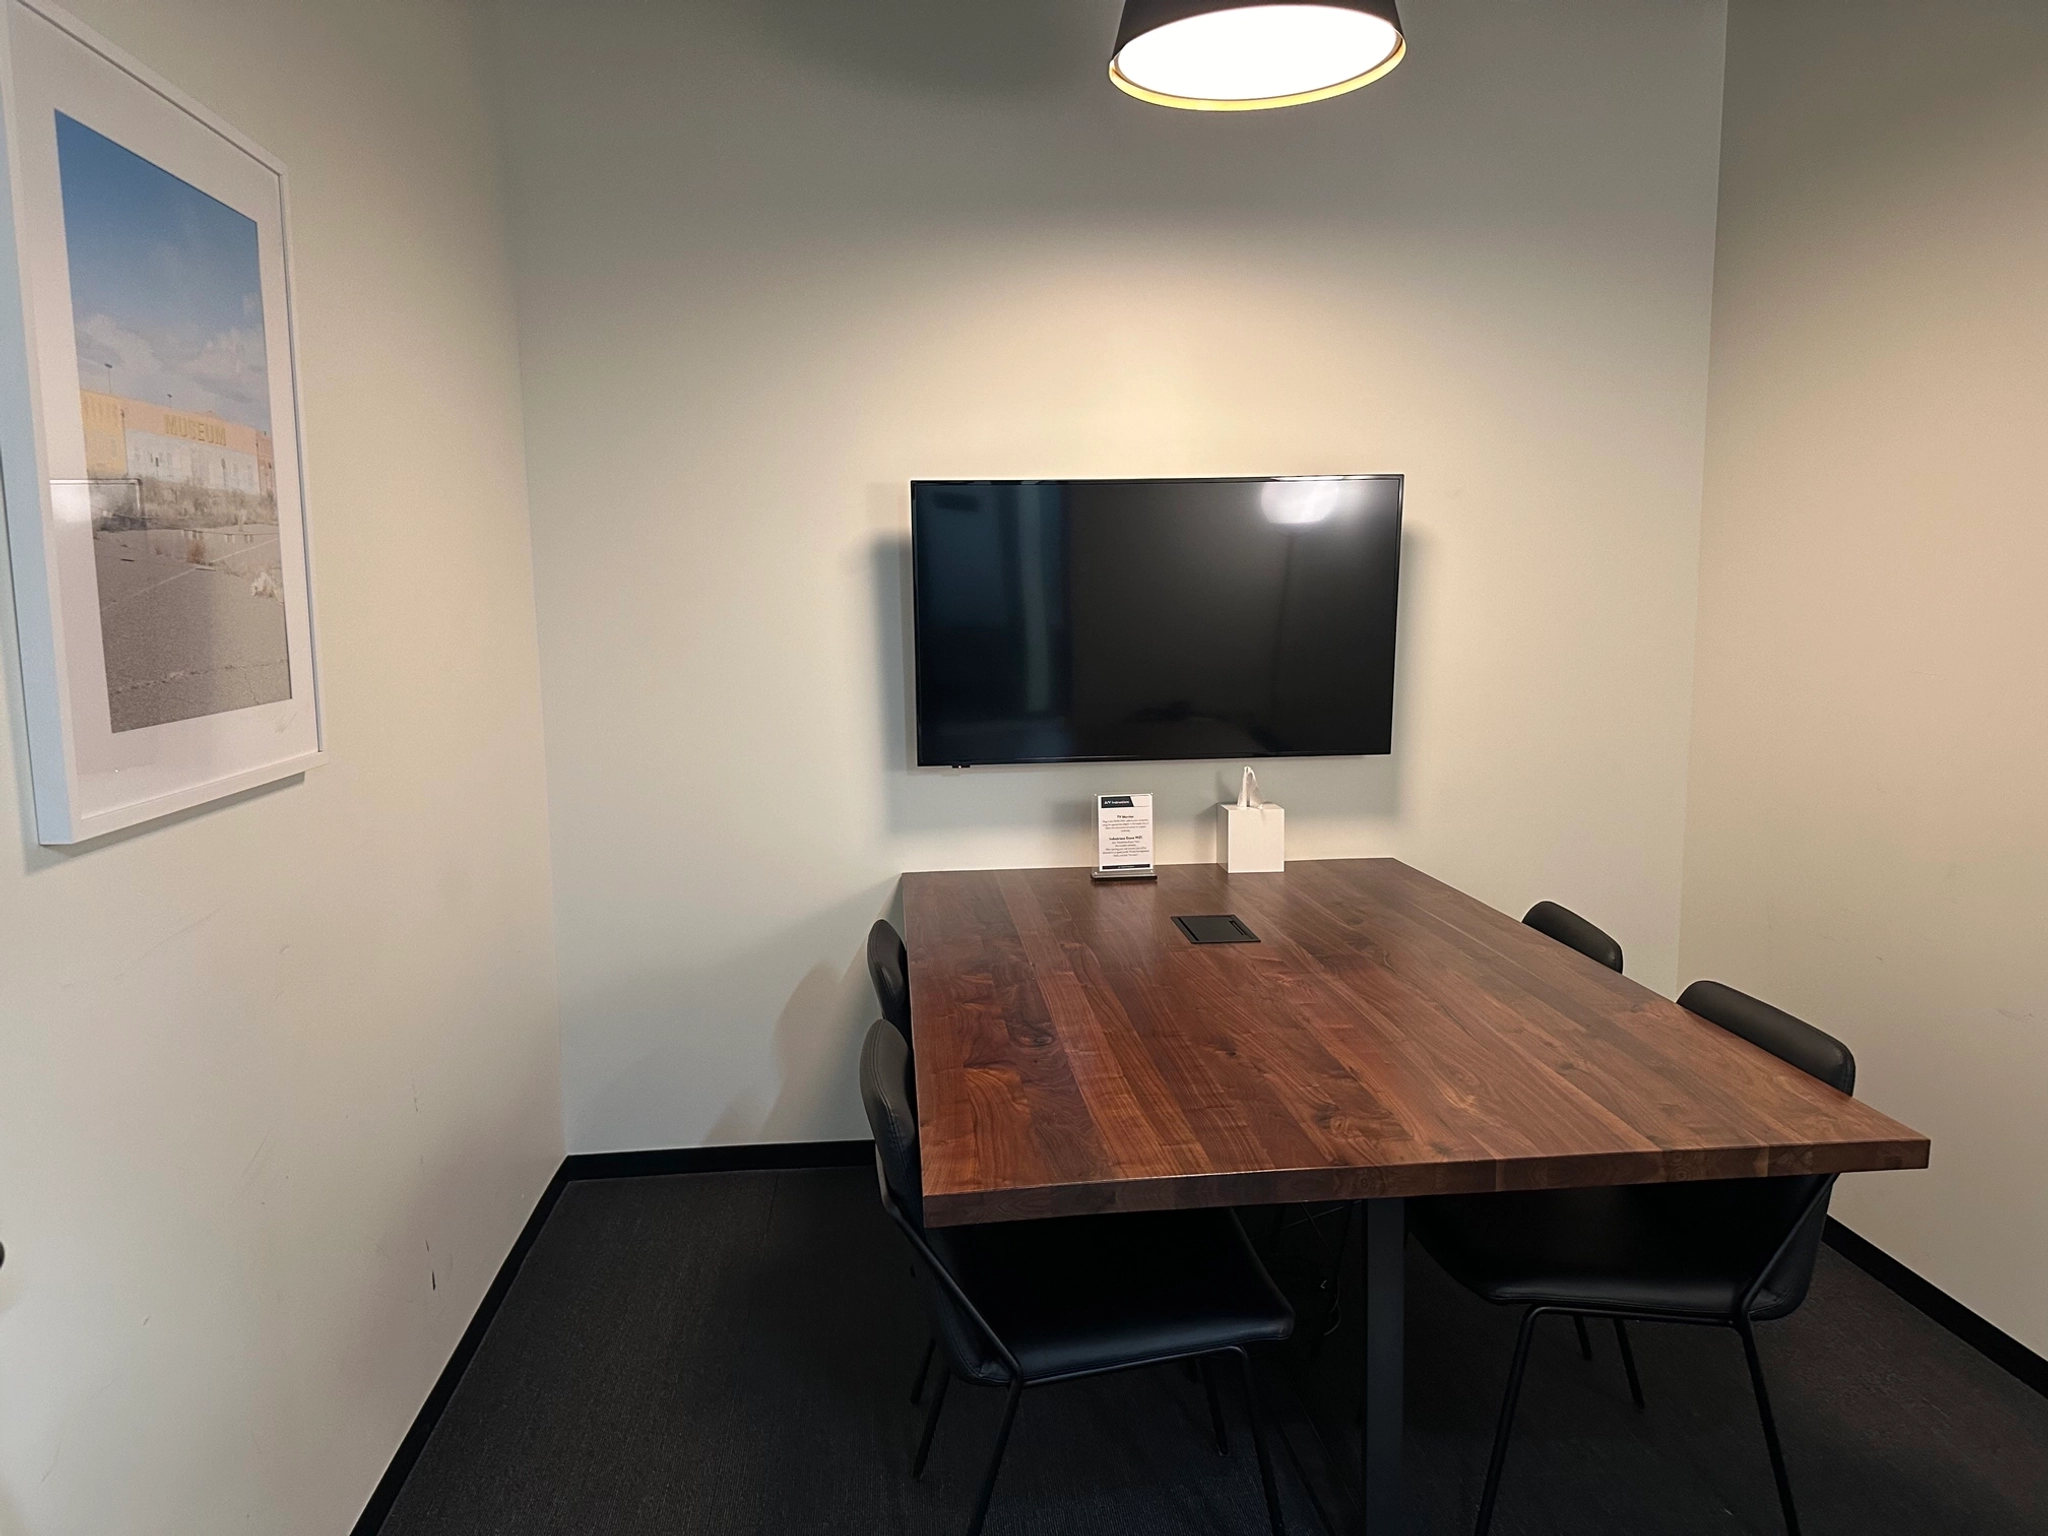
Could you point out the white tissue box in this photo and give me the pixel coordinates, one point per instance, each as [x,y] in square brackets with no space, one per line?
[1252,839]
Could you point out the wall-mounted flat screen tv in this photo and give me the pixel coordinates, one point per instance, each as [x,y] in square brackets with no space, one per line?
[1144,620]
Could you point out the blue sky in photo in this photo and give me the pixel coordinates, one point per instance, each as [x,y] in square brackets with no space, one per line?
[166,288]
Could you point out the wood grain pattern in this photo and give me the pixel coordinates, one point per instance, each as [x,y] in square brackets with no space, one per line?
[1389,1036]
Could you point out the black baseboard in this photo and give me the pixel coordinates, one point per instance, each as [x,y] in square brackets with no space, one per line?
[1989,1340]
[731,1159]
[582,1165]
[386,1493]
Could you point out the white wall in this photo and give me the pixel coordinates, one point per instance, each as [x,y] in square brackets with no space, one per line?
[279,1079]
[1868,837]
[774,261]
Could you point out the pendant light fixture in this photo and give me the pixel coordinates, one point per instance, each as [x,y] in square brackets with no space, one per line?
[1242,55]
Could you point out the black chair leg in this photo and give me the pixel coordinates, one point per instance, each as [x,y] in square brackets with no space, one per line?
[931,1424]
[924,1370]
[1333,1283]
[1215,1408]
[1763,1409]
[1585,1339]
[995,1462]
[1628,1362]
[1251,1400]
[1507,1421]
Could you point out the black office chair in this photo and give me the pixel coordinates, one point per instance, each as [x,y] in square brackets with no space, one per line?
[1574,932]
[889,970]
[889,973]
[1730,1252]
[1027,1303]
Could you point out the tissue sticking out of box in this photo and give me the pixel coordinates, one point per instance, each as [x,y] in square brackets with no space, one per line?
[1252,839]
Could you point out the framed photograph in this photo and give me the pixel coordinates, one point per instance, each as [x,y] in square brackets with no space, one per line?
[149,440]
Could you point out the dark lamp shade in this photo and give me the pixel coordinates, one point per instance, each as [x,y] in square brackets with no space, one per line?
[1244,55]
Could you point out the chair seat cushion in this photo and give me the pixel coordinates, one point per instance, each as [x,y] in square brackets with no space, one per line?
[1092,1293]
[1683,1250]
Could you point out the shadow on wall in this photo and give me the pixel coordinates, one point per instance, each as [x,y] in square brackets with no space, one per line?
[1058,798]
[955,46]
[820,1014]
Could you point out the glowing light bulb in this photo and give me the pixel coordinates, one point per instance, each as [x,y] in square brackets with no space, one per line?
[1240,57]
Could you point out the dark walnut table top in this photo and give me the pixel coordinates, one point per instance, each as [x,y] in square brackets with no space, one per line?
[1388,1036]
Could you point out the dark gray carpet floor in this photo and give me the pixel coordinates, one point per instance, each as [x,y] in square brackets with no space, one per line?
[732,1353]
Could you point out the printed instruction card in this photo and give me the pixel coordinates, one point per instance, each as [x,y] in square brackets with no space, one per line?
[1123,835]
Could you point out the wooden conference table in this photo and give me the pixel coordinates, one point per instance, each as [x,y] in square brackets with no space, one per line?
[1388,1036]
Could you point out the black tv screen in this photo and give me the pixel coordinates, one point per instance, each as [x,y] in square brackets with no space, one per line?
[1145,620]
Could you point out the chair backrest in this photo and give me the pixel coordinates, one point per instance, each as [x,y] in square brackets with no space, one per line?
[1818,1054]
[1574,932]
[885,1095]
[970,1344]
[889,970]
[1793,1041]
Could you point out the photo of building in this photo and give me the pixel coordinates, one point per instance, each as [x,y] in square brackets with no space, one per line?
[174,397]
[137,439]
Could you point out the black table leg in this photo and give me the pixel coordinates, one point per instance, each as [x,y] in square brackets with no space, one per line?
[1385,1229]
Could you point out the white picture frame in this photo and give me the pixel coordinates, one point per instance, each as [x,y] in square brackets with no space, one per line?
[161,564]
